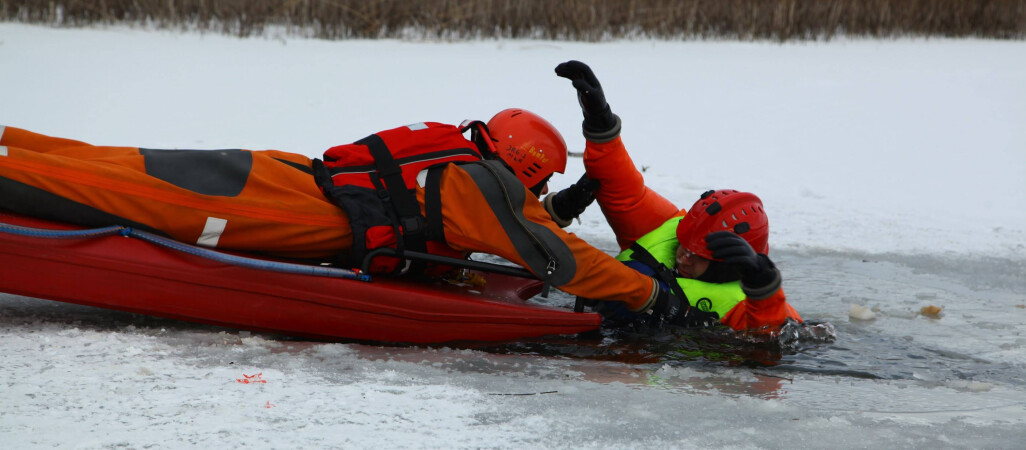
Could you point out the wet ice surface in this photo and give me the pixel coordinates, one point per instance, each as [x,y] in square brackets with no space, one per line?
[90,378]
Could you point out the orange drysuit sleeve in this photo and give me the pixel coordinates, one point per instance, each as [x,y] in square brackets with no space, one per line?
[753,314]
[630,207]
[485,209]
[633,210]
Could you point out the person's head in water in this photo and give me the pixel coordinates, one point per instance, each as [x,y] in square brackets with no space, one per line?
[529,145]
[740,213]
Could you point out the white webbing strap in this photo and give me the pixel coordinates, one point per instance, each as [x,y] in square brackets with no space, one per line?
[212,232]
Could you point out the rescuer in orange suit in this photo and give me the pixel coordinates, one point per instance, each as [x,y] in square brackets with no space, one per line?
[275,202]
[715,255]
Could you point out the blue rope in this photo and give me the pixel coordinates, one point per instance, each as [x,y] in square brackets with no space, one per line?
[213,255]
[59,234]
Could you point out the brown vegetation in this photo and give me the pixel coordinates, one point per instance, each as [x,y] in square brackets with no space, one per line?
[589,20]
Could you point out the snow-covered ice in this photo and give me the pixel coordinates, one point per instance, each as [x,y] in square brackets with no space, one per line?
[894,174]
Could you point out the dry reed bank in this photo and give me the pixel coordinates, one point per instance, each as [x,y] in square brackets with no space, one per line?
[587,20]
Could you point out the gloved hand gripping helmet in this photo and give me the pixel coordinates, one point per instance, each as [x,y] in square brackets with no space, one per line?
[724,210]
[529,144]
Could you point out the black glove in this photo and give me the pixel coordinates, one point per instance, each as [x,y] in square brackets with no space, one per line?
[759,276]
[668,309]
[615,314]
[600,124]
[569,203]
[675,311]
[696,318]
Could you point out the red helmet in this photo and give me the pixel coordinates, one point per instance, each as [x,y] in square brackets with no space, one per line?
[730,210]
[529,144]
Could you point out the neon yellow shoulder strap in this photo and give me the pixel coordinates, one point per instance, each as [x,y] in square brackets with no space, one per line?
[660,242]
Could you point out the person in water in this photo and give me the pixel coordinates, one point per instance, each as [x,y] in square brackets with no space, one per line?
[423,187]
[714,255]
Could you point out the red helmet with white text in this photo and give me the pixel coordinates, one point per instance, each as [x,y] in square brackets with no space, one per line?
[529,144]
[724,210]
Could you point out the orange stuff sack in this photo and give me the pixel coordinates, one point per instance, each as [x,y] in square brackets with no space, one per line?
[258,201]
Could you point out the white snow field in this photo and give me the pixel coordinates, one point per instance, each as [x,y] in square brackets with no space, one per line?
[894,174]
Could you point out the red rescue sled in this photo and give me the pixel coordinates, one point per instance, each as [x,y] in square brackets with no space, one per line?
[135,275]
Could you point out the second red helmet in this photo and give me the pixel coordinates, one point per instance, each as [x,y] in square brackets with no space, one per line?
[724,210]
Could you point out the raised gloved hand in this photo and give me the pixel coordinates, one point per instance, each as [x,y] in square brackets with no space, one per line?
[569,203]
[600,124]
[759,276]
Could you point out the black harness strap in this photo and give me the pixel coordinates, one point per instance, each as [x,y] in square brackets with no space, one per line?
[662,272]
[395,193]
[433,204]
[357,221]
[480,136]
[400,241]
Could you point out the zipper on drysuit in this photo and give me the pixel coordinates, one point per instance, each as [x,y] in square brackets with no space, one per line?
[551,264]
[550,268]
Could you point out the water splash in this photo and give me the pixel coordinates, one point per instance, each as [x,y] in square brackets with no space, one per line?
[678,346]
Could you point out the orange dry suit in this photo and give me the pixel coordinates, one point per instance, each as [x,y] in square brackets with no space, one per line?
[268,202]
[640,215]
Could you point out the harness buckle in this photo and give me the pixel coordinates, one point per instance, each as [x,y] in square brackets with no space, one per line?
[413,225]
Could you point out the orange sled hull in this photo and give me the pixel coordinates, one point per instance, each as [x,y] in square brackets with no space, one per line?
[133,275]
